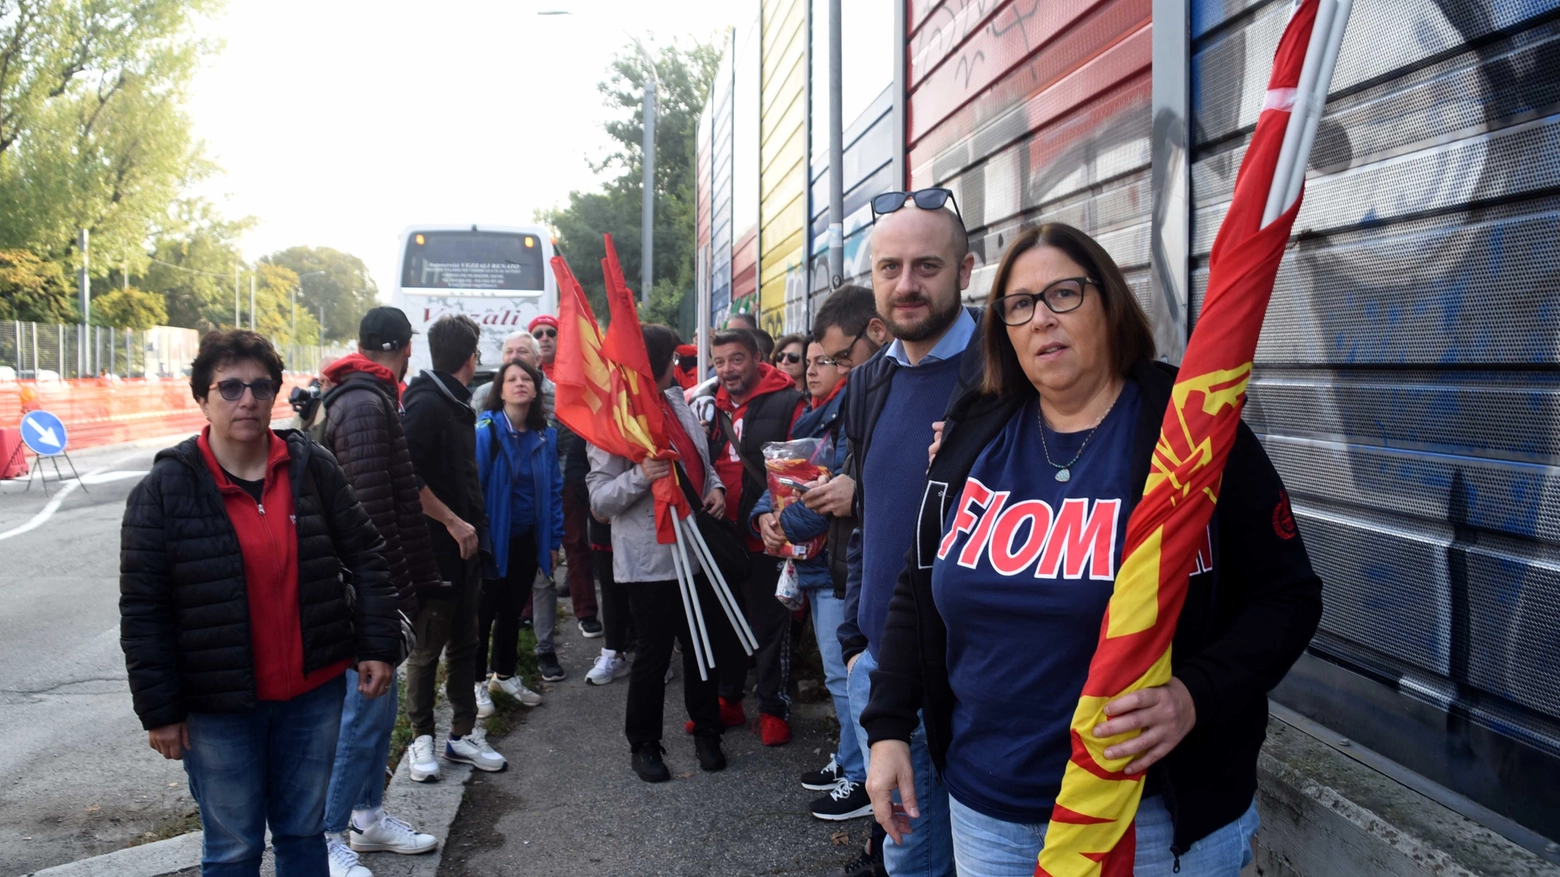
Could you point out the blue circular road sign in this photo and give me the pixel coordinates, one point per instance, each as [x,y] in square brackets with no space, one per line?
[43,433]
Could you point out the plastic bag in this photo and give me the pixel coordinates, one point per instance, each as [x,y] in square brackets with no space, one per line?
[790,466]
[788,590]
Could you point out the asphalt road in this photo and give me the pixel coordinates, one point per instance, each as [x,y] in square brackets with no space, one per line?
[76,776]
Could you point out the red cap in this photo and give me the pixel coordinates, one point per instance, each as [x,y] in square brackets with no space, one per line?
[543,320]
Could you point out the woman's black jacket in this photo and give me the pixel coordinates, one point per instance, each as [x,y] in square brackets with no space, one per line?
[183,607]
[1245,621]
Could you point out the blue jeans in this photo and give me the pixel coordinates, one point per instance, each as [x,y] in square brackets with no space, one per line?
[988,847]
[928,849]
[357,782]
[828,611]
[270,764]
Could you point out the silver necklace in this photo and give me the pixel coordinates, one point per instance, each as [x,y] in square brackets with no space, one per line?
[1064,470]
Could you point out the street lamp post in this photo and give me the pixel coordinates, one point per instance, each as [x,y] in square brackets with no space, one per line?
[297,289]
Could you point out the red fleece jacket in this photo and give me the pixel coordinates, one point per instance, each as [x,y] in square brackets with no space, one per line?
[268,539]
[337,371]
[728,465]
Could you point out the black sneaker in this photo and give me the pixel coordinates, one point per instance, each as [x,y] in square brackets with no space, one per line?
[525,623]
[590,628]
[646,761]
[825,779]
[848,801]
[552,671]
[711,758]
[862,865]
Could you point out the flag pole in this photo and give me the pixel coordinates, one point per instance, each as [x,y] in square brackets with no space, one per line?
[1317,101]
[1289,153]
[687,598]
[698,610]
[723,594]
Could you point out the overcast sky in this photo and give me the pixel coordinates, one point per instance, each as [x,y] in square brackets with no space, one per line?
[339,123]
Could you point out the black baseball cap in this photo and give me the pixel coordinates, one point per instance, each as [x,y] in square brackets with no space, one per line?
[385,328]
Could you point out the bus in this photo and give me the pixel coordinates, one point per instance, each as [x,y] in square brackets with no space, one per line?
[499,275]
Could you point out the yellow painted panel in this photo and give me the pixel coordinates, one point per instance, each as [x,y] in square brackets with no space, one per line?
[782,154]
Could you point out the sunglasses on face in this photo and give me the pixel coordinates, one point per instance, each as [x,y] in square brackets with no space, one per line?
[544,333]
[791,358]
[232,389]
[1018,308]
[926,199]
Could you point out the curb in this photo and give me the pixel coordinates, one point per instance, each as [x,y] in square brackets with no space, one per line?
[431,807]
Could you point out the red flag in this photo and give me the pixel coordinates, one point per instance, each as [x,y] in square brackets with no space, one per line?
[586,395]
[1091,831]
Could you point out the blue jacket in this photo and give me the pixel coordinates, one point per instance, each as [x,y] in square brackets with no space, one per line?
[494,468]
[799,522]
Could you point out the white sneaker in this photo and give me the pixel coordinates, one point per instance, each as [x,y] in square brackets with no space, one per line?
[389,835]
[424,767]
[609,666]
[473,749]
[484,701]
[515,688]
[343,862]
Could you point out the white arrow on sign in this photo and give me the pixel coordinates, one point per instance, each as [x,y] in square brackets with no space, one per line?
[45,433]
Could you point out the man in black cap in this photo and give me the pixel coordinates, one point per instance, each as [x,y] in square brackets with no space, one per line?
[363,429]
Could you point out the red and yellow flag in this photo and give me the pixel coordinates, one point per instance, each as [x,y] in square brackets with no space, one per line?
[1091,833]
[606,391]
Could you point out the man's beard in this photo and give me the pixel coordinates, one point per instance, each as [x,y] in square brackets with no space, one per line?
[935,323]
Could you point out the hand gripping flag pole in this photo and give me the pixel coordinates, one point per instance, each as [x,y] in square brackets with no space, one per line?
[1091,831]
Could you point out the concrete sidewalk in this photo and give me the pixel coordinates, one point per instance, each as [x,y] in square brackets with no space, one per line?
[569,803]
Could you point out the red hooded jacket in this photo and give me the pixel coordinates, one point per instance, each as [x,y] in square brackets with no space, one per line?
[727,462]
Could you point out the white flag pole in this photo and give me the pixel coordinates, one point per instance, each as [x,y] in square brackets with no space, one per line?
[683,585]
[1317,101]
[698,609]
[1289,152]
[723,593]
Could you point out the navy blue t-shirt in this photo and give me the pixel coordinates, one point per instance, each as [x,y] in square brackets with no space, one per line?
[1023,574]
[893,476]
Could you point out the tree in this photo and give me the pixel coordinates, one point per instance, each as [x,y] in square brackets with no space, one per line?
[129,308]
[191,264]
[35,290]
[345,289]
[683,75]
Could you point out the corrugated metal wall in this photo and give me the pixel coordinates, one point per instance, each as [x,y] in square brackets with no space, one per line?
[1405,383]
[1031,112]
[703,191]
[745,178]
[720,101]
[782,157]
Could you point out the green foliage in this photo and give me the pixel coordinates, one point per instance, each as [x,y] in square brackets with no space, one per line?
[683,75]
[35,290]
[129,308]
[345,289]
[191,265]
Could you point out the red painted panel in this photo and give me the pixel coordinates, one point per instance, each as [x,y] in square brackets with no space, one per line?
[1100,74]
[945,29]
[1053,38]
[744,266]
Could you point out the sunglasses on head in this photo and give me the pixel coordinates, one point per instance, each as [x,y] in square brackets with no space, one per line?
[926,199]
[545,333]
[232,389]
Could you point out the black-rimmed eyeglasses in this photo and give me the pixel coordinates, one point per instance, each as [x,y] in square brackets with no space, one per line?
[926,199]
[843,358]
[1061,296]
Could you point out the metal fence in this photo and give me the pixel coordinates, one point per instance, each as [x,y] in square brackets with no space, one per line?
[40,351]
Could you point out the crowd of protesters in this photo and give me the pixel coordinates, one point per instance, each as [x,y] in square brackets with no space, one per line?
[272,582]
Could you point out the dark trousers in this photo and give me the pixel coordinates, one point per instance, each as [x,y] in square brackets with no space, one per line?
[617,618]
[498,610]
[659,619]
[771,623]
[578,553]
[448,627]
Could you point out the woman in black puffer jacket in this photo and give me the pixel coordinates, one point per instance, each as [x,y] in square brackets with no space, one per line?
[250,579]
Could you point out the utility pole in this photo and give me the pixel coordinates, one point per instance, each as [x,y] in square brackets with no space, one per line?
[836,154]
[236,323]
[647,231]
[251,302]
[83,356]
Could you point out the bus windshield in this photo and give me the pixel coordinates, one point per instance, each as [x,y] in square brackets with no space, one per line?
[473,260]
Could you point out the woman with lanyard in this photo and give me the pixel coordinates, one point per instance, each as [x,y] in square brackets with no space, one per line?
[522,488]
[993,631]
[620,492]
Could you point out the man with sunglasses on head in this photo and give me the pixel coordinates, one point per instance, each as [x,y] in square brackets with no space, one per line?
[363,429]
[921,264]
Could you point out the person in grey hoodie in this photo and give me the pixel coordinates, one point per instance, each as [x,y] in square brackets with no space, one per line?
[620,491]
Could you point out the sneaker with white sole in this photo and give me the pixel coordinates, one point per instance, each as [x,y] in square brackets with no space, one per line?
[591,628]
[424,766]
[389,835]
[473,749]
[848,801]
[484,701]
[609,666]
[515,688]
[825,779]
[343,861]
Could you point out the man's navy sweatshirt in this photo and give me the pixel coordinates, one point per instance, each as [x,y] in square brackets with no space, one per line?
[893,478]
